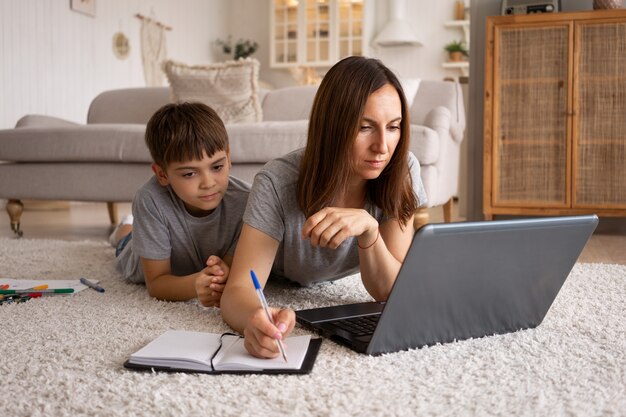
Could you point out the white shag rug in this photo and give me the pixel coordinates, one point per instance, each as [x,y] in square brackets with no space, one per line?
[63,356]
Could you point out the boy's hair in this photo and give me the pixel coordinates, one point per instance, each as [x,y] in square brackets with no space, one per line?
[334,124]
[180,132]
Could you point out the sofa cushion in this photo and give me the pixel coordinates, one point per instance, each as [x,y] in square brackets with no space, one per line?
[261,142]
[81,143]
[289,103]
[230,87]
[127,105]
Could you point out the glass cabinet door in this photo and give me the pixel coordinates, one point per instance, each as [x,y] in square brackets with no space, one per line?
[285,32]
[350,28]
[315,32]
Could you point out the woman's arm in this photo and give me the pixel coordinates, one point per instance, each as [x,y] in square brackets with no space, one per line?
[240,305]
[381,260]
[381,248]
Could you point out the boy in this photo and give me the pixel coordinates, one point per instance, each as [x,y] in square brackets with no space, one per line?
[187,218]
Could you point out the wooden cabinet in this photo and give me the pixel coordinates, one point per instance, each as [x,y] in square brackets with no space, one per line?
[315,33]
[555,114]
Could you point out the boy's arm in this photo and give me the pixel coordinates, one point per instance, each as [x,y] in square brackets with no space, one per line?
[162,285]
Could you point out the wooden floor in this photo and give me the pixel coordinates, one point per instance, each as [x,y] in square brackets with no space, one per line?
[90,221]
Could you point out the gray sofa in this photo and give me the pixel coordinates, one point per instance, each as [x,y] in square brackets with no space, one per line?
[106,160]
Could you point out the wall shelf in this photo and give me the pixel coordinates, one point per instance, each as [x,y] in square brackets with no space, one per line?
[463,66]
[465,26]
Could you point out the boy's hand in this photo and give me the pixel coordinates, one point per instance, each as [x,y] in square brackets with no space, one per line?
[211,281]
[261,335]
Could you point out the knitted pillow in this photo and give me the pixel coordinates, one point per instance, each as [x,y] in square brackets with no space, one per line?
[230,87]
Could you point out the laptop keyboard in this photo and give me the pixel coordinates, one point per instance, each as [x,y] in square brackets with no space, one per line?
[358,326]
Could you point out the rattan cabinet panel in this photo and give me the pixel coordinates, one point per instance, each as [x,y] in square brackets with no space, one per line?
[555,114]
[600,143]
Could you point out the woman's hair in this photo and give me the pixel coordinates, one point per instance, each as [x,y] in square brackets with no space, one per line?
[334,124]
[180,132]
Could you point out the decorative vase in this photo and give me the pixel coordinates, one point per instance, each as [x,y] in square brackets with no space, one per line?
[607,4]
[459,10]
[456,56]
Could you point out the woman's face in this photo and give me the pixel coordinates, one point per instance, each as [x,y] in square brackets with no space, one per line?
[379,133]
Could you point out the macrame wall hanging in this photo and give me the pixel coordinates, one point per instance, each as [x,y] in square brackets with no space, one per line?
[153,50]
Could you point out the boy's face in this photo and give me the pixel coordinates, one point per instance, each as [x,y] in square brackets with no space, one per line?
[201,184]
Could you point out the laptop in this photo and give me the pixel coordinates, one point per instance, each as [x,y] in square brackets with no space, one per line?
[460,281]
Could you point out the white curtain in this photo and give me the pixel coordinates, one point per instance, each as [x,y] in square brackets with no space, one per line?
[153,52]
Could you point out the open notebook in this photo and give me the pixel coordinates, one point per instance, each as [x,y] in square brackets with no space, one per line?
[187,351]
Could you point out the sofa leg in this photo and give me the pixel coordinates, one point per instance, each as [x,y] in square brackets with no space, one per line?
[112,207]
[447,211]
[15,209]
[420,218]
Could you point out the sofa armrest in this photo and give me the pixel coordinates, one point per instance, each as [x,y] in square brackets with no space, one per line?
[81,143]
[432,94]
[440,118]
[424,144]
[38,120]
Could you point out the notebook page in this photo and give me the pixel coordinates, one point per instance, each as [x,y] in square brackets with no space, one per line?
[179,349]
[234,356]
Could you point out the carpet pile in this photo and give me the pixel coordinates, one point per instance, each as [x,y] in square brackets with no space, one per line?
[63,355]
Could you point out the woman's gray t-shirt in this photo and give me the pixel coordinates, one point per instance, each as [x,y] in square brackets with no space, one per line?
[163,229]
[273,209]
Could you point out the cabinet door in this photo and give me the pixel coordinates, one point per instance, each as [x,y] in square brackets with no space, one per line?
[530,161]
[285,33]
[315,32]
[350,28]
[318,33]
[600,122]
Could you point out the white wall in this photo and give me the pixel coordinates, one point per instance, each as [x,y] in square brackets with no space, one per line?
[249,19]
[427,17]
[54,60]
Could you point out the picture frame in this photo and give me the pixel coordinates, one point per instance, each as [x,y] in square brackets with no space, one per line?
[87,7]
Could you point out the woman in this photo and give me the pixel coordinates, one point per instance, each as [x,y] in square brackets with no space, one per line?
[343,204]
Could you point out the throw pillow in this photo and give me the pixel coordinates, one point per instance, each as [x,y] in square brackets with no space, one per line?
[230,87]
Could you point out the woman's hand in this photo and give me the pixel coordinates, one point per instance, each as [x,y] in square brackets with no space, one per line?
[211,281]
[330,226]
[261,335]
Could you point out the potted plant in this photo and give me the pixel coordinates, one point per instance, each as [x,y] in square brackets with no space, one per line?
[242,49]
[456,51]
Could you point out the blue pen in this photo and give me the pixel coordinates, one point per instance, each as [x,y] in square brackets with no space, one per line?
[91,285]
[259,292]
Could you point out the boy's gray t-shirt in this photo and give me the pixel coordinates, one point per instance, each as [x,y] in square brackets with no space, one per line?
[273,209]
[163,229]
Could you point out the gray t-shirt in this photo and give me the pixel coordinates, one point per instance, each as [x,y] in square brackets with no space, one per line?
[273,209]
[163,229]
